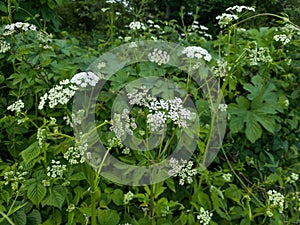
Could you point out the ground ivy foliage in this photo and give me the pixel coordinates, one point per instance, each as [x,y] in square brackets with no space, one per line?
[159,111]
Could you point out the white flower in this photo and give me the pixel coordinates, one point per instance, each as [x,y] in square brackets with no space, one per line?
[60,94]
[56,169]
[197,52]
[283,38]
[84,79]
[158,56]
[225,19]
[227,177]
[12,28]
[16,106]
[136,25]
[222,107]
[276,199]
[222,68]
[204,216]
[239,9]
[75,155]
[128,197]
[295,176]
[14,178]
[41,137]
[4,46]
[256,55]
[183,170]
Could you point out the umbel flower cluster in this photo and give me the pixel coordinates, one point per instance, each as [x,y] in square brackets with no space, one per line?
[17,106]
[197,52]
[276,199]
[183,170]
[11,29]
[14,178]
[204,216]
[161,110]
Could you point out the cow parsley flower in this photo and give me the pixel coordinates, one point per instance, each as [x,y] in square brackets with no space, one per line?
[56,169]
[197,52]
[75,155]
[256,55]
[283,38]
[222,107]
[159,56]
[84,79]
[41,137]
[4,46]
[225,19]
[183,170]
[204,216]
[128,197]
[136,25]
[295,176]
[122,124]
[276,199]
[227,177]
[222,68]
[239,9]
[16,106]
[60,94]
[14,178]
[14,27]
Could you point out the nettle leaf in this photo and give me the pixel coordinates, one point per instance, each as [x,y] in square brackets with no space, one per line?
[56,197]
[36,191]
[256,112]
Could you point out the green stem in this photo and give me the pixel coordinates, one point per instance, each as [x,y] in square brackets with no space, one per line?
[6,217]
[9,11]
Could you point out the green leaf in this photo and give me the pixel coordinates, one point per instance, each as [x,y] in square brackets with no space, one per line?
[56,197]
[3,7]
[36,191]
[34,218]
[108,217]
[31,152]
[21,217]
[233,193]
[117,197]
[253,129]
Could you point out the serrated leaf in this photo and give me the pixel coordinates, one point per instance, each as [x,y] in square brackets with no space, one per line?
[31,152]
[34,218]
[56,197]
[253,129]
[21,217]
[36,192]
[108,217]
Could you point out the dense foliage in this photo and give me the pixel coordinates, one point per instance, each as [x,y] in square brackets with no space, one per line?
[164,86]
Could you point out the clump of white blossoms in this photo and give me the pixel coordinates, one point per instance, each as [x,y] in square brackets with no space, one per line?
[4,46]
[295,176]
[283,38]
[83,79]
[239,9]
[128,197]
[197,52]
[122,124]
[76,118]
[225,19]
[276,199]
[183,170]
[14,178]
[204,216]
[136,25]
[286,33]
[159,56]
[75,155]
[59,94]
[222,107]
[256,55]
[17,106]
[227,177]
[41,137]
[160,110]
[14,27]
[222,69]
[56,169]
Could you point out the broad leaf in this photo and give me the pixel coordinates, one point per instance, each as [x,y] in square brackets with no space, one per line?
[31,152]
[36,191]
[56,197]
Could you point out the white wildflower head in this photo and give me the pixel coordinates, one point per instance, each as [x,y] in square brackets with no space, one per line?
[276,199]
[204,216]
[222,107]
[283,38]
[136,25]
[183,170]
[11,29]
[226,19]
[257,55]
[295,176]
[128,197]
[159,56]
[60,94]
[41,137]
[222,69]
[56,169]
[14,178]
[197,52]
[75,155]
[239,9]
[4,46]
[84,79]
[16,106]
[227,177]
